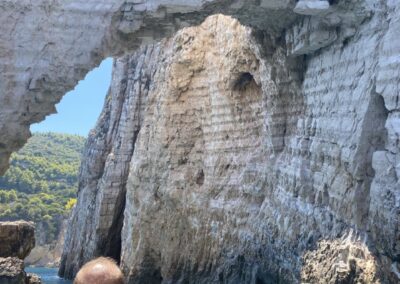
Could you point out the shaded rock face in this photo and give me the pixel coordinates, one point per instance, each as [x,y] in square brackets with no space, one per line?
[12,270]
[17,239]
[105,167]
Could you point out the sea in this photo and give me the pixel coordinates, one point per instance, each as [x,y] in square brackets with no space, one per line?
[48,275]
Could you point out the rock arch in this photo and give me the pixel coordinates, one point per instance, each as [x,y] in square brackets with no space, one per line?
[47,46]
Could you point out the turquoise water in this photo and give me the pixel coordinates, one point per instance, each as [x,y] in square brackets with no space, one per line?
[48,275]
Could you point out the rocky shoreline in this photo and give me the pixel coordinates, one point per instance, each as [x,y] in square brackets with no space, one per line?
[17,239]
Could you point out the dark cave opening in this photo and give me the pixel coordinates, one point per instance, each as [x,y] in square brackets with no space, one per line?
[243,81]
[113,244]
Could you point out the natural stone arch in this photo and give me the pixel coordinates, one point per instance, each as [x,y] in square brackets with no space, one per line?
[25,98]
[47,46]
[173,67]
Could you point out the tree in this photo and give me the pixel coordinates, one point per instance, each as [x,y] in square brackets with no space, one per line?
[42,180]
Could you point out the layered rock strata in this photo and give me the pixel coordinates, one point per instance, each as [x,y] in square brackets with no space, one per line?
[234,156]
[105,167]
[251,165]
[197,181]
[47,46]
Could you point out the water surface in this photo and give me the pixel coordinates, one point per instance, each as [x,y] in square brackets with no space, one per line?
[48,275]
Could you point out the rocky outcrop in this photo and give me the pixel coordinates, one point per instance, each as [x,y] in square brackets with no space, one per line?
[12,270]
[197,173]
[33,278]
[252,165]
[16,241]
[346,260]
[47,46]
[259,154]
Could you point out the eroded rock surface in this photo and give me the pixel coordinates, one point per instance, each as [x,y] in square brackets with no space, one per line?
[47,46]
[250,164]
[204,140]
[12,270]
[235,155]
[346,260]
[106,160]
[17,239]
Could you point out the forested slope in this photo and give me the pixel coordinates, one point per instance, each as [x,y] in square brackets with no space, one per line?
[41,183]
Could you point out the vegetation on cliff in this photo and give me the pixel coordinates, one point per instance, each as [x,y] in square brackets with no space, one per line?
[42,180]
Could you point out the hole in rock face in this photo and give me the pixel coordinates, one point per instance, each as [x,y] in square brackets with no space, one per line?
[200,178]
[80,108]
[243,81]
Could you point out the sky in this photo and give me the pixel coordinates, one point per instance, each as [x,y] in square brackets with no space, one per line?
[79,109]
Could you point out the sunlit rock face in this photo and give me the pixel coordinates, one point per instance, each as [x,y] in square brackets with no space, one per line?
[252,166]
[241,167]
[230,154]
[199,170]
[343,260]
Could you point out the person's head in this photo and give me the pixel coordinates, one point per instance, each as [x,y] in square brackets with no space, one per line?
[101,270]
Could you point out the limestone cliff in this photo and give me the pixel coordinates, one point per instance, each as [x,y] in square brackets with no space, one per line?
[105,167]
[250,163]
[225,154]
[47,46]
[47,254]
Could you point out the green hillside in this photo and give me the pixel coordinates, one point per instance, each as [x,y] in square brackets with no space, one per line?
[42,180]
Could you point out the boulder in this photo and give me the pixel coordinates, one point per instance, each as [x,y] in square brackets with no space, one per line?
[17,239]
[33,278]
[12,271]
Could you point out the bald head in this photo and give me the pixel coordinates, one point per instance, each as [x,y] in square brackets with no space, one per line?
[101,270]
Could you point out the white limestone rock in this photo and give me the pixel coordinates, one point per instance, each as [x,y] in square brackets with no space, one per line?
[47,46]
[311,7]
[308,37]
[241,158]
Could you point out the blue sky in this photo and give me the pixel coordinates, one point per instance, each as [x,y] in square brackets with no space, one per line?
[79,109]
